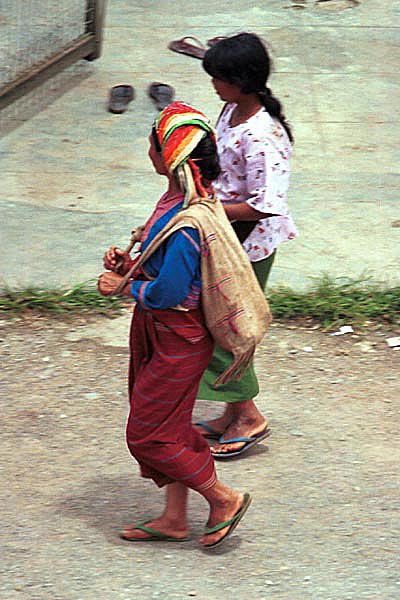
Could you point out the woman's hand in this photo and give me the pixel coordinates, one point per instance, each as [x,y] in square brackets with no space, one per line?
[108,283]
[137,234]
[117,260]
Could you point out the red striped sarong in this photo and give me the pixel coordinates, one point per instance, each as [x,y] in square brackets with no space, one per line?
[170,350]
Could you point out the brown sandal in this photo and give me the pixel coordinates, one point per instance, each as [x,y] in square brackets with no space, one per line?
[217,39]
[181,46]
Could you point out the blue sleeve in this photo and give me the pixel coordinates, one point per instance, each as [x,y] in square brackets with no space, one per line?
[180,266]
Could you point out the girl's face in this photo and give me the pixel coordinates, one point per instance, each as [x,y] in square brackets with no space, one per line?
[156,158]
[229,92]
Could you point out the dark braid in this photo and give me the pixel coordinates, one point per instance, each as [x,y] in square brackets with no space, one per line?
[206,158]
[274,108]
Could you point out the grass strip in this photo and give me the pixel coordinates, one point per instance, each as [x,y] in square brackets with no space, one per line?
[328,301]
[336,301]
[83,297]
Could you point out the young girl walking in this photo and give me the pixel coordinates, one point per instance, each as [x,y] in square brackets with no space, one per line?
[254,147]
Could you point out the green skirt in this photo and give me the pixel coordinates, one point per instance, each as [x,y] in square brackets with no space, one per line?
[247,387]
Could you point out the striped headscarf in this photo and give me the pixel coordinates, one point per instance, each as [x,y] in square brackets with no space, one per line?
[179,128]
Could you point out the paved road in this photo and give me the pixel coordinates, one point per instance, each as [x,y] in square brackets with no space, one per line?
[76,178]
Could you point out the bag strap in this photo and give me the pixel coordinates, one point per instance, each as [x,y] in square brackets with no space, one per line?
[177,222]
[172,226]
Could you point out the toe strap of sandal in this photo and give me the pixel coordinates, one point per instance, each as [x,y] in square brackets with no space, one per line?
[240,438]
[142,527]
[219,526]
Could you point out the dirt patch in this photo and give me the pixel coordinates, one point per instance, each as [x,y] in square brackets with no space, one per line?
[324,521]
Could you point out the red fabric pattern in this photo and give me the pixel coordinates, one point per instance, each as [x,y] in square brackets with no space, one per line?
[169,352]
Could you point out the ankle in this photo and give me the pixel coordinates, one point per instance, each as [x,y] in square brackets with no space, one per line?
[250,420]
[229,410]
[174,522]
[220,495]
[247,413]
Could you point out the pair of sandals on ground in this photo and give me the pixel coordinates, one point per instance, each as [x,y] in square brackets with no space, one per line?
[162,93]
[121,95]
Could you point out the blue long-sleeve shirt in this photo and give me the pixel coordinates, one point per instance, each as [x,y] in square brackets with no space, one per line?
[175,267]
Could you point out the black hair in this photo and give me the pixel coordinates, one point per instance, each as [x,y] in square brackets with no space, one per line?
[243,60]
[206,158]
[156,141]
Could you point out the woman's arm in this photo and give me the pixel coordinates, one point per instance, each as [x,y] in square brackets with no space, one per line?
[179,269]
[243,212]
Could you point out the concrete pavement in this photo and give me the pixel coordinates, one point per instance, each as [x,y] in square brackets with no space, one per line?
[76,178]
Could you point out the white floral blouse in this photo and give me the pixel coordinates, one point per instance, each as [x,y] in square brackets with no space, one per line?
[255,168]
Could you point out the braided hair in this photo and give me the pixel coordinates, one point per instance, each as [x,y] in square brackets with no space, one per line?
[206,157]
[243,60]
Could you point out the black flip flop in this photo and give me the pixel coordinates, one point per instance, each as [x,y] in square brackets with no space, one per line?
[119,98]
[162,94]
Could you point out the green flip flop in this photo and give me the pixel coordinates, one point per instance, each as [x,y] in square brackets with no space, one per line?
[231,523]
[154,536]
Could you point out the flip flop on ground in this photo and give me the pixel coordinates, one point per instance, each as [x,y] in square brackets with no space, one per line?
[161,93]
[119,98]
[216,39]
[248,442]
[210,432]
[154,536]
[231,523]
[182,46]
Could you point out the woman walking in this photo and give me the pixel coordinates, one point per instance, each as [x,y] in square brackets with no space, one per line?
[170,344]
[254,147]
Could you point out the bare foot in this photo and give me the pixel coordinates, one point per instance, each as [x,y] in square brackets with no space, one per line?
[242,427]
[161,525]
[220,512]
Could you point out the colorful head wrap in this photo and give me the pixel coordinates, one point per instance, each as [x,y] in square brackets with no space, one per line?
[179,129]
